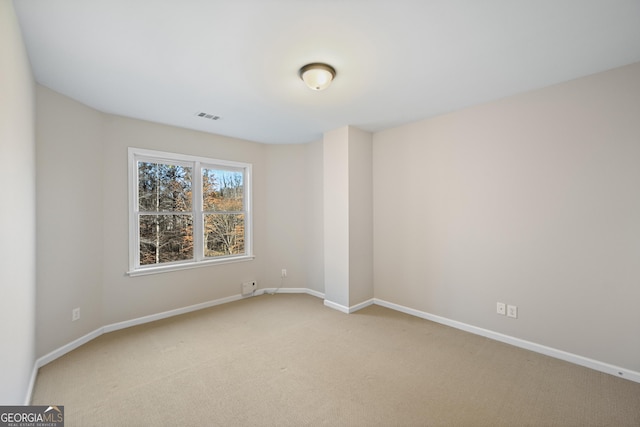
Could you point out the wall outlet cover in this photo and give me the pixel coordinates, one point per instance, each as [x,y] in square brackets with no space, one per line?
[249,287]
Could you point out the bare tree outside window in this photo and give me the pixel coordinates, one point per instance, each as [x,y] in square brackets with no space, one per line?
[166,217]
[223,212]
[187,211]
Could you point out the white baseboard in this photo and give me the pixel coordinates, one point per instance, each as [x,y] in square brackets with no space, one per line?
[315,293]
[59,352]
[517,342]
[348,310]
[336,306]
[558,354]
[32,384]
[362,305]
[272,291]
[170,313]
[68,347]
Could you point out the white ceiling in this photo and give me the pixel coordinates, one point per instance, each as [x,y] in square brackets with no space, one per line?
[397,61]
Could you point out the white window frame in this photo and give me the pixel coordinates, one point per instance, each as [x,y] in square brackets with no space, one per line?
[197,163]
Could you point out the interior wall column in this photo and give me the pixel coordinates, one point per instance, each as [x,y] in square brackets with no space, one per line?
[348,218]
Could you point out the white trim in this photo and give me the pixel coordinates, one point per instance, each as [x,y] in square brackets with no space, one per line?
[281,291]
[348,310]
[617,371]
[165,268]
[314,293]
[362,305]
[517,342]
[196,163]
[32,384]
[336,306]
[170,313]
[59,352]
[289,291]
[50,357]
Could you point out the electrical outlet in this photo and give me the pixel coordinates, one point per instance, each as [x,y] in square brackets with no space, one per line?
[75,314]
[512,311]
[283,273]
[501,308]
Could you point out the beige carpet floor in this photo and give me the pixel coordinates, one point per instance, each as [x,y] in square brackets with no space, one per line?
[286,360]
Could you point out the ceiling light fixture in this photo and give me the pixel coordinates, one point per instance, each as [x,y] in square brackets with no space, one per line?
[317,76]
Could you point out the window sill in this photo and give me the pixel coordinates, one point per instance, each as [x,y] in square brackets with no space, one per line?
[187,266]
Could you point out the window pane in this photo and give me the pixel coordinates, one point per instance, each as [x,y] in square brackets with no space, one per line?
[164,187]
[223,234]
[222,190]
[165,238]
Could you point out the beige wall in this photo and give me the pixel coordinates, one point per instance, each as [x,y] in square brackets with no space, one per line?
[315,216]
[125,297]
[83,261]
[285,216]
[17,215]
[360,216]
[532,201]
[69,219]
[336,215]
[348,227]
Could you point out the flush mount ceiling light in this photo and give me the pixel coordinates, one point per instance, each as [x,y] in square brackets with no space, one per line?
[317,76]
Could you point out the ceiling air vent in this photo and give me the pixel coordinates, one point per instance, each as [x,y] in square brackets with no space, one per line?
[208,116]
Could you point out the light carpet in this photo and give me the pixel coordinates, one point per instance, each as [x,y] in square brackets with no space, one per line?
[287,360]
